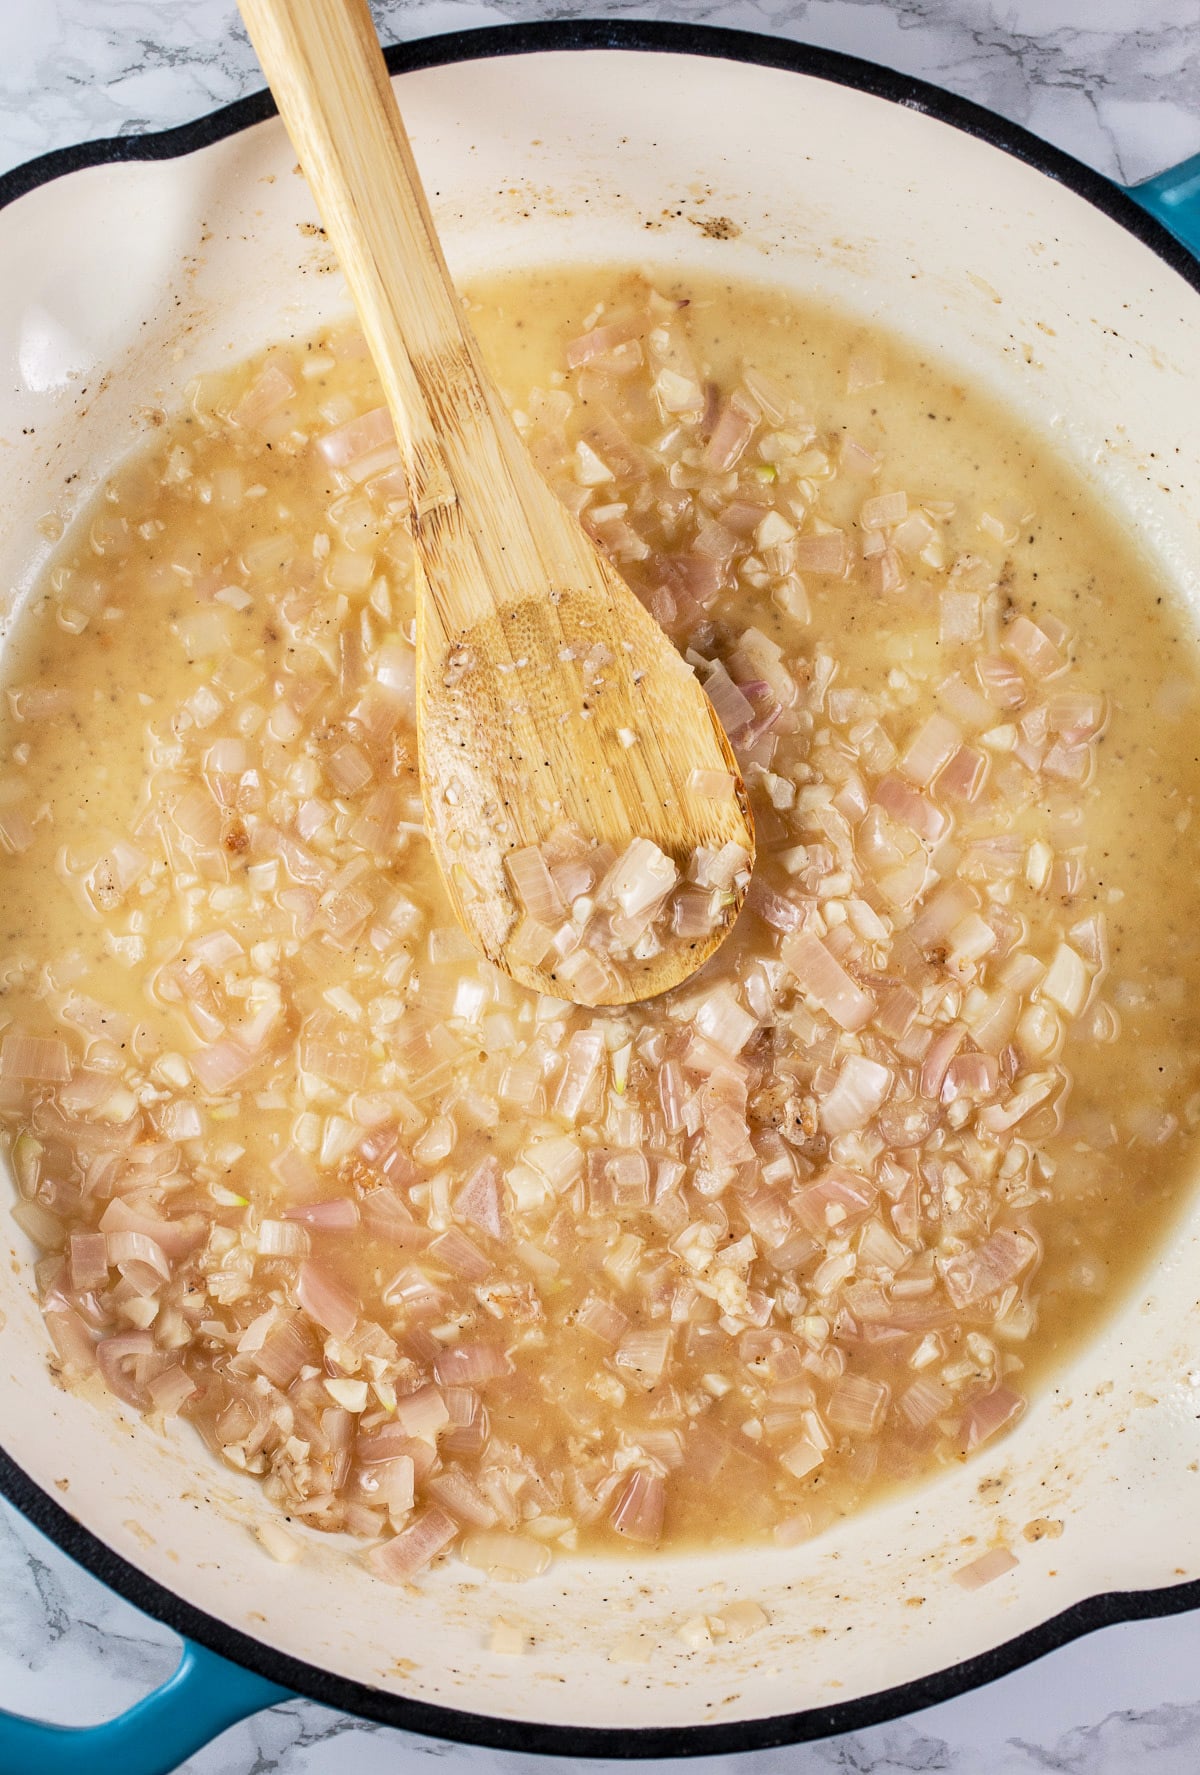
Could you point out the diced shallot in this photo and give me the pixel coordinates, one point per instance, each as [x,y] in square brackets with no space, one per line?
[857,1405]
[399,1560]
[640,877]
[734,710]
[470,1364]
[984,1570]
[422,1414]
[326,1300]
[711,785]
[585,1052]
[825,980]
[365,436]
[263,398]
[88,1257]
[989,1267]
[339,1214]
[222,1066]
[462,1497]
[1032,648]
[822,552]
[125,1249]
[938,1056]
[454,1251]
[730,435]
[902,802]
[119,1358]
[604,1320]
[971,1075]
[990,1413]
[861,1087]
[534,885]
[641,1508]
[479,1198]
[504,1554]
[40,1059]
[285,1346]
[930,750]
[171,1389]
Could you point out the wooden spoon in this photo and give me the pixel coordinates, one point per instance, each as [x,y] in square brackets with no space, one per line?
[516,740]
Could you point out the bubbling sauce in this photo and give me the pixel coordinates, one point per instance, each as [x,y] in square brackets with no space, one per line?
[454,1267]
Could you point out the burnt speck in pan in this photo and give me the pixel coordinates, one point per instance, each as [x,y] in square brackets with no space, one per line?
[716,227]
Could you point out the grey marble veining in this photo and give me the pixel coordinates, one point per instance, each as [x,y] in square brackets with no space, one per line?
[1115,82]
[1112,81]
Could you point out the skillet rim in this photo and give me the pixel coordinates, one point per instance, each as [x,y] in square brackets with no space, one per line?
[344,1693]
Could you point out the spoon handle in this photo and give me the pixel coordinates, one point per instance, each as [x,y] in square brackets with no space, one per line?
[327,72]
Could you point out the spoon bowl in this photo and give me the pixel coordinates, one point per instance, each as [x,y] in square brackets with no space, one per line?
[554,718]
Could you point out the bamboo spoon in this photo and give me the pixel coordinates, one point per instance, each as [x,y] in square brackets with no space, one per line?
[514,741]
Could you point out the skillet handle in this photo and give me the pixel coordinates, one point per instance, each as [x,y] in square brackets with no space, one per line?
[1173,198]
[204,1696]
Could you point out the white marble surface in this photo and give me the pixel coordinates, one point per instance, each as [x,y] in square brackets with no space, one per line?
[1114,82]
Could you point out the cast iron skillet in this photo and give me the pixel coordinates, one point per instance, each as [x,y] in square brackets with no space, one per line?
[224,1675]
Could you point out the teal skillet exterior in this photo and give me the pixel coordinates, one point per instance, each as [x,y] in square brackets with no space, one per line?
[1173,198]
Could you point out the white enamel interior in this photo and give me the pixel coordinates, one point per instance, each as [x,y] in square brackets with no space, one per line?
[121,282]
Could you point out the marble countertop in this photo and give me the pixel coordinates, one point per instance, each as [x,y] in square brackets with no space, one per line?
[1111,81]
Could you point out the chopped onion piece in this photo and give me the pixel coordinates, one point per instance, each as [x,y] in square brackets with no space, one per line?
[118,1359]
[883,510]
[857,1405]
[989,1566]
[285,1346]
[534,885]
[990,1413]
[862,1086]
[338,1215]
[40,1059]
[1067,982]
[263,398]
[171,1389]
[720,1019]
[125,1249]
[400,1559]
[600,342]
[365,436]
[733,709]
[640,878]
[88,1257]
[479,1198]
[219,1067]
[505,1555]
[990,1267]
[282,1238]
[641,1508]
[825,980]
[930,750]
[823,552]
[467,1365]
[644,1353]
[604,1320]
[454,1251]
[971,1075]
[712,785]
[326,1300]
[1032,648]
[422,1414]
[585,1053]
[802,1457]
